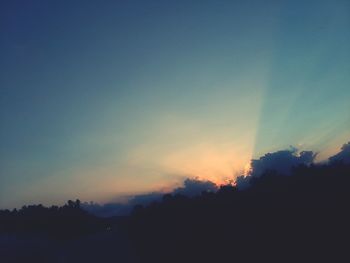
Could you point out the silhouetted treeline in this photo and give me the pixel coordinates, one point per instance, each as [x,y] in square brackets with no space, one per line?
[58,222]
[302,217]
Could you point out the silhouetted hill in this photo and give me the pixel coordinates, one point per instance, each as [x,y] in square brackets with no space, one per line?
[63,222]
[288,210]
[303,217]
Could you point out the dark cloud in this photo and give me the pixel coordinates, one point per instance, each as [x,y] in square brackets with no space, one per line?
[191,187]
[343,155]
[194,187]
[281,162]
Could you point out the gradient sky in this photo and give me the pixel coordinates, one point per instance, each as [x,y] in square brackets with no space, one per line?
[101,99]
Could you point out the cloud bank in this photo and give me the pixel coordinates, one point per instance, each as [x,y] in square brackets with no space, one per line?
[191,187]
[282,162]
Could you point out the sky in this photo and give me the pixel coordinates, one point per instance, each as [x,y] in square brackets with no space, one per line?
[103,99]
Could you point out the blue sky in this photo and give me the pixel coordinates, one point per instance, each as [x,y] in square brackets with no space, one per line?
[104,99]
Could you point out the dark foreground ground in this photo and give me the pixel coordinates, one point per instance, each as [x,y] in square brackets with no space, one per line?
[303,217]
[110,246]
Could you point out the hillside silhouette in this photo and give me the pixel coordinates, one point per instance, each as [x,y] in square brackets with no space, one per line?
[303,217]
[61,223]
[288,210]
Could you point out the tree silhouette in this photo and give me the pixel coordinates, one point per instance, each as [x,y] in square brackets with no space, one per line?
[299,217]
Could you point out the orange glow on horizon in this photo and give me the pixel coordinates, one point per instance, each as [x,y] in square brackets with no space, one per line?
[219,165]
